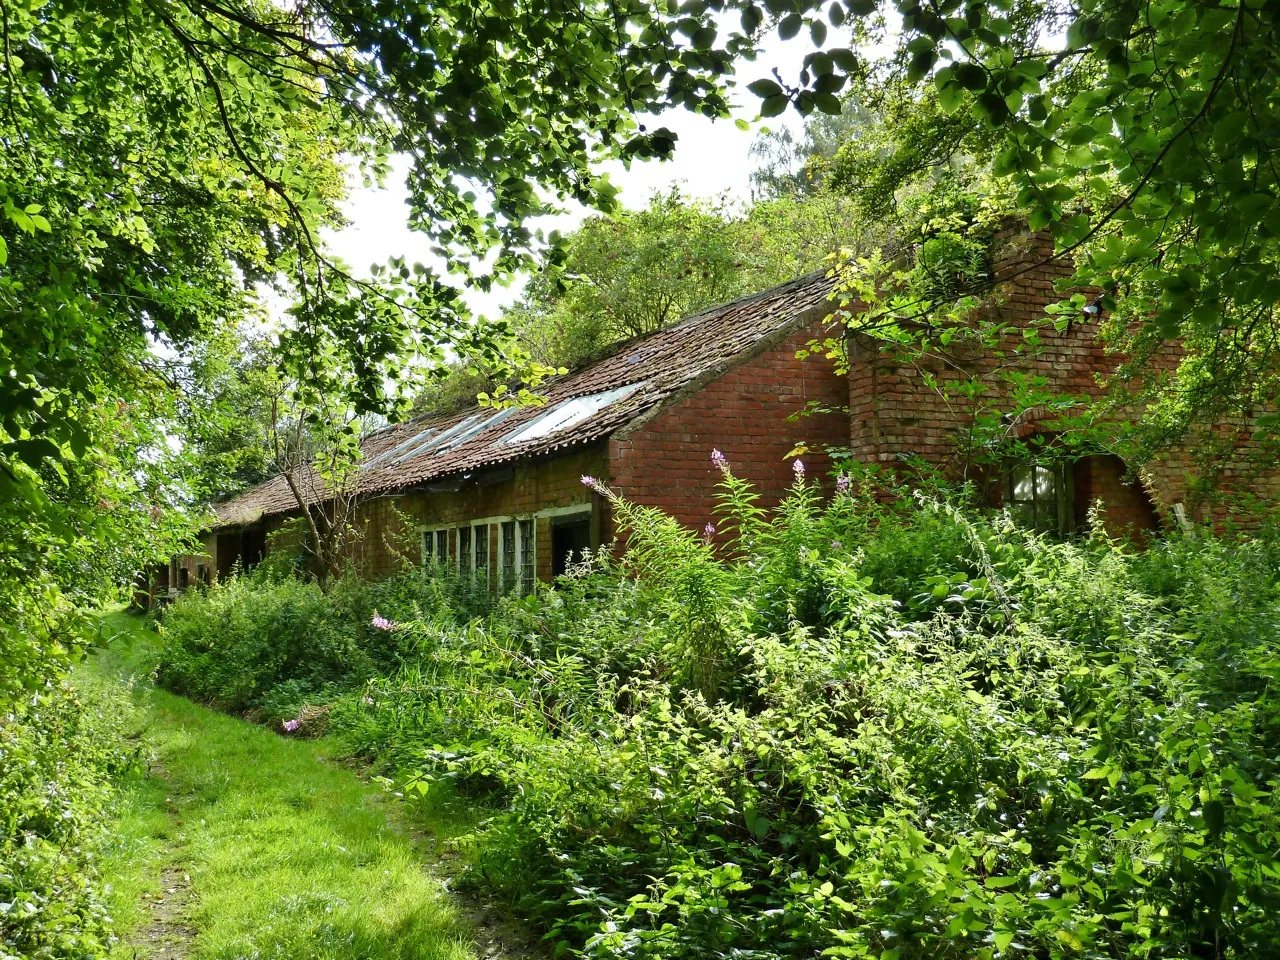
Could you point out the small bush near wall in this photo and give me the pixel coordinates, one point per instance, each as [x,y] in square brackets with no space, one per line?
[273,643]
[854,730]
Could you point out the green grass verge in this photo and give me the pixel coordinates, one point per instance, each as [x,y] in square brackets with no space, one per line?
[288,856]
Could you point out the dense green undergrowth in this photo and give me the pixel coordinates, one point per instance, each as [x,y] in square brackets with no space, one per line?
[846,729]
[61,747]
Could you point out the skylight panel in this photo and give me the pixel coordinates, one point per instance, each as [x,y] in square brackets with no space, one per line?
[386,454]
[483,425]
[432,442]
[566,414]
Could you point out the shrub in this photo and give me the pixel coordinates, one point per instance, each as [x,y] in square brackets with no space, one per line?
[933,734]
[272,644]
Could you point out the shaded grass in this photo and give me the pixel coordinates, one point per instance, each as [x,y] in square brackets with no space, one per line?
[289,856]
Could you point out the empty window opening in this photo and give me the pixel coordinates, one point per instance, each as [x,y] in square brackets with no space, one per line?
[570,542]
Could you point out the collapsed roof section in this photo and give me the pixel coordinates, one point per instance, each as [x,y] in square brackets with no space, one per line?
[636,379]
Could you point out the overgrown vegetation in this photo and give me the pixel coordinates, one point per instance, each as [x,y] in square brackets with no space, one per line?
[59,749]
[851,729]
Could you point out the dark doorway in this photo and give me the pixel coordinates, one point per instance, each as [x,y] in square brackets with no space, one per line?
[253,546]
[570,539]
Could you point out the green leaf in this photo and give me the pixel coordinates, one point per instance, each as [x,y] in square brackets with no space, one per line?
[773,106]
[765,88]
[971,76]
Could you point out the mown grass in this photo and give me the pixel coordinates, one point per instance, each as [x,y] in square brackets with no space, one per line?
[289,856]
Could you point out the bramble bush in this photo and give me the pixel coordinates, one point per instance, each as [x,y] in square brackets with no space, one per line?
[854,729]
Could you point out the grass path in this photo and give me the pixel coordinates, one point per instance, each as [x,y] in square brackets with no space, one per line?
[241,844]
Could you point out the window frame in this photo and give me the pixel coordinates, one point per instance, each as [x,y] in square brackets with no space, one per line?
[433,550]
[523,575]
[1058,508]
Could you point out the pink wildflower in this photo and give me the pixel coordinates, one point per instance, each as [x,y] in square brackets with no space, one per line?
[708,532]
[382,623]
[842,483]
[837,545]
[798,467]
[721,461]
[292,725]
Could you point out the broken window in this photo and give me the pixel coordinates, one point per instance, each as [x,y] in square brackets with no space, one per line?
[507,556]
[1040,496]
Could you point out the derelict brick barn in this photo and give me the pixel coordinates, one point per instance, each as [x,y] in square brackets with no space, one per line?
[499,493]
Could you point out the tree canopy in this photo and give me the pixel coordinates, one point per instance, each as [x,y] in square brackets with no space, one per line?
[166,159]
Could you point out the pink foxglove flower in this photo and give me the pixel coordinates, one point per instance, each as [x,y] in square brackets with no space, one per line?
[721,461]
[798,467]
[382,623]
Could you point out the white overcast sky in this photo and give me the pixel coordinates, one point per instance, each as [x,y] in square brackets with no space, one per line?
[711,158]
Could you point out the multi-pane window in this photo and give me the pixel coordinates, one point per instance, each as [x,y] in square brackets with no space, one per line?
[464,550]
[1040,496]
[435,546]
[507,556]
[481,549]
[526,556]
[473,543]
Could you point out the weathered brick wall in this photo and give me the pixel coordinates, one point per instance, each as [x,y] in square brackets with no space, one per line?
[746,414]
[389,525]
[895,414]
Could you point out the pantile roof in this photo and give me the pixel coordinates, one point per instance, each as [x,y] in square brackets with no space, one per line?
[636,379]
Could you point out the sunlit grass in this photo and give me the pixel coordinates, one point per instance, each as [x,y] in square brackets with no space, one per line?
[289,856]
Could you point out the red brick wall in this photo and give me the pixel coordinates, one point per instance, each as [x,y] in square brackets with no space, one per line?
[896,415]
[1127,507]
[666,461]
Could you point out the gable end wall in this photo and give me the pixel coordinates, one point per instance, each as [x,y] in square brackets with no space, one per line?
[666,461]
